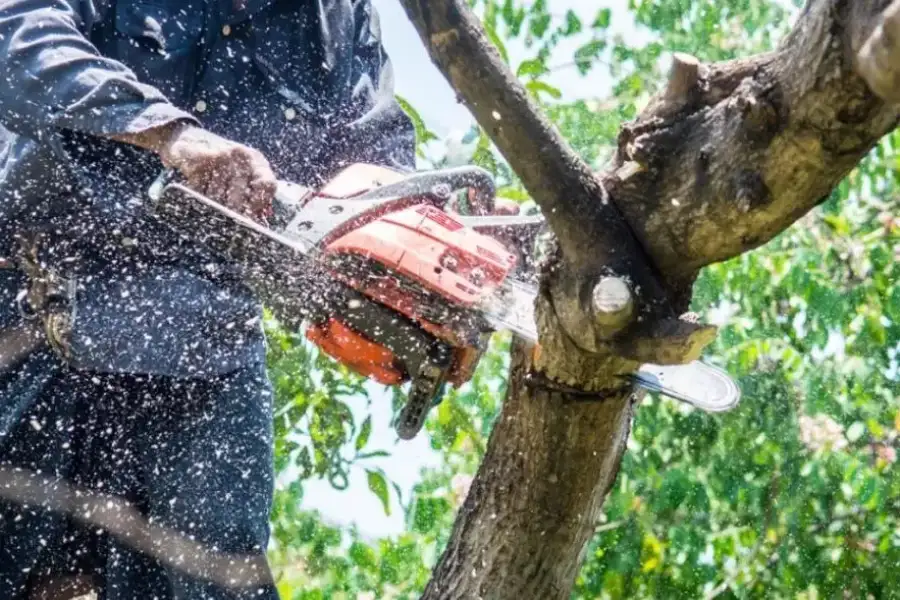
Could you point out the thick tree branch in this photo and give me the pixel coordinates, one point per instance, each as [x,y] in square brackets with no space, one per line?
[512,538]
[728,156]
[558,180]
[756,144]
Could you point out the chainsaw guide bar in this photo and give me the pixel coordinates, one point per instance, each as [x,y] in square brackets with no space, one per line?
[389,283]
[695,383]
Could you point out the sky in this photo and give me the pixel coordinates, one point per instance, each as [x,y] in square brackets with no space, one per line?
[420,82]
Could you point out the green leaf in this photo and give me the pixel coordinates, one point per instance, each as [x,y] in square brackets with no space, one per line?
[603,19]
[427,512]
[365,431]
[362,555]
[536,87]
[586,55]
[513,17]
[495,39]
[573,23]
[423,134]
[483,156]
[374,454]
[513,193]
[539,25]
[534,67]
[673,491]
[378,485]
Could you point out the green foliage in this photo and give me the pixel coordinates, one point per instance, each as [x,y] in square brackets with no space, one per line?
[323,561]
[794,494]
[797,490]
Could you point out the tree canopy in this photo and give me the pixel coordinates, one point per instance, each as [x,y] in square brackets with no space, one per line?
[793,494]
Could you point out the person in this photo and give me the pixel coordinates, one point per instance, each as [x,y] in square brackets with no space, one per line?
[145,383]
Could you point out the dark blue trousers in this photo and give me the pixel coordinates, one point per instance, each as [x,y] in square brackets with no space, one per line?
[157,488]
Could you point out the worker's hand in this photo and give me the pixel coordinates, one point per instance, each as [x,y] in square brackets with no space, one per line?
[231,173]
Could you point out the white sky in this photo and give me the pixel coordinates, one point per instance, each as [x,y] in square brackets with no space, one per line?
[419,81]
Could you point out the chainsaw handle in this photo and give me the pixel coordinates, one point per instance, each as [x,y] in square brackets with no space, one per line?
[439,186]
[284,205]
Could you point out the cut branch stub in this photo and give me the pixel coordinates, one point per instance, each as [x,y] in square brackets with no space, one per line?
[683,77]
[671,341]
[878,61]
[593,309]
[613,304]
[684,86]
[688,82]
[608,321]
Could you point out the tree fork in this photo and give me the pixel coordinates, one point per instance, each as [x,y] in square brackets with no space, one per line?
[728,156]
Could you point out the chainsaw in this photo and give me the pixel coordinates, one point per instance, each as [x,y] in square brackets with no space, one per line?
[392,283]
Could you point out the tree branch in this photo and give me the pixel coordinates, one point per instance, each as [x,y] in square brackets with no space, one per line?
[757,143]
[558,180]
[513,537]
[728,156]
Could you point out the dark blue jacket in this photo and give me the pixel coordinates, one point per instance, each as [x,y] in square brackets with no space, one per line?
[306,82]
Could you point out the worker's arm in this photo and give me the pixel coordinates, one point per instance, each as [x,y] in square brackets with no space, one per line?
[53,79]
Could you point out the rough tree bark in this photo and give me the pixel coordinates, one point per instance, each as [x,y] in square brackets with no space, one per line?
[726,157]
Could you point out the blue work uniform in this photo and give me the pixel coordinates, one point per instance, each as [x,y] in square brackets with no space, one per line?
[165,400]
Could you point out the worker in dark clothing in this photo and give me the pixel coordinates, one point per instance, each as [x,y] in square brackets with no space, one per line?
[147,380]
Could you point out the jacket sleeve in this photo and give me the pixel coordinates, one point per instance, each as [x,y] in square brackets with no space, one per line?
[384,132]
[53,78]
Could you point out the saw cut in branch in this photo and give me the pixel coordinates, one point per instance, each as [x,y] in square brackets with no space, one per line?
[613,303]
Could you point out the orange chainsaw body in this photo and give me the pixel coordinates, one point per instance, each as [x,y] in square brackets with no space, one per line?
[416,259]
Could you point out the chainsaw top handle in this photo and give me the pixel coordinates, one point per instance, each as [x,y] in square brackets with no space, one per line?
[439,186]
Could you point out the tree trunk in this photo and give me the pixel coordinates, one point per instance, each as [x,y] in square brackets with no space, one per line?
[726,157]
